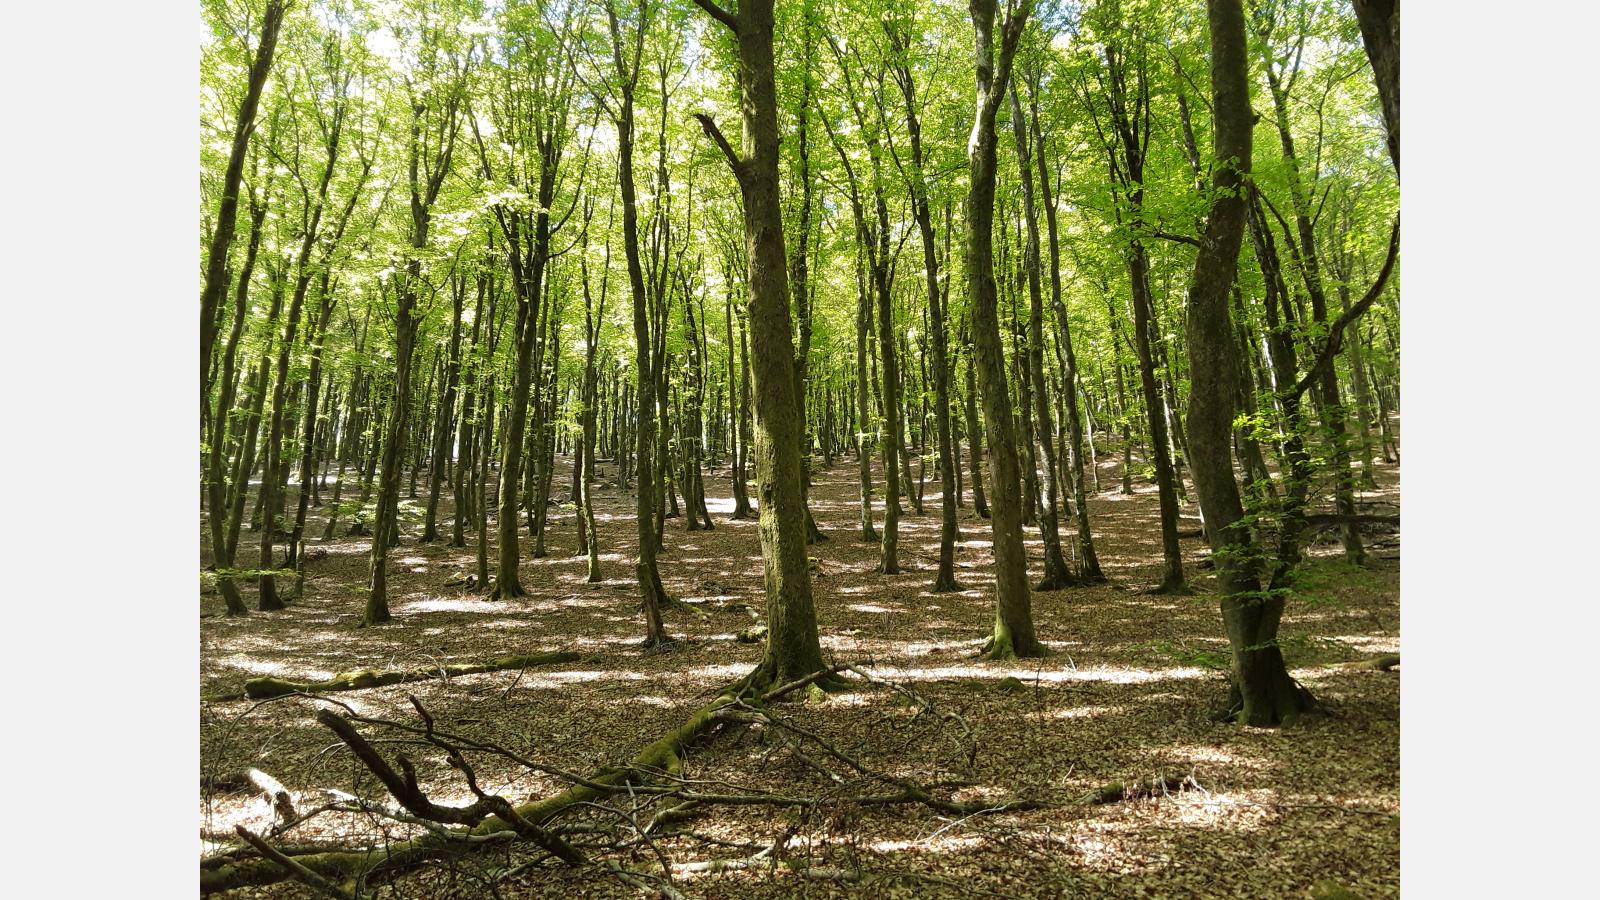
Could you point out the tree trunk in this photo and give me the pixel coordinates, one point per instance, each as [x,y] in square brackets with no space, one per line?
[945,580]
[793,650]
[447,405]
[1380,34]
[227,208]
[652,595]
[1013,633]
[1088,561]
[1267,695]
[1057,575]
[975,447]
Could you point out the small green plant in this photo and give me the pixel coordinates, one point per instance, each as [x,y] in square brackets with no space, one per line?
[1185,654]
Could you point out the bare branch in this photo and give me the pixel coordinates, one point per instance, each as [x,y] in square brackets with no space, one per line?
[715,133]
[720,14]
[1335,339]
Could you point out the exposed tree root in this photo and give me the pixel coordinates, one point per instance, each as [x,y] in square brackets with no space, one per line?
[267,687]
[1173,587]
[1058,582]
[998,649]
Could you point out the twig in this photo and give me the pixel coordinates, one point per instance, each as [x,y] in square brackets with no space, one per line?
[288,862]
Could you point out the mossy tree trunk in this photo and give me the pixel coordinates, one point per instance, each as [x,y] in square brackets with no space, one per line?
[793,650]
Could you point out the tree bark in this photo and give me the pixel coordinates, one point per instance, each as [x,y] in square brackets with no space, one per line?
[652,595]
[1380,34]
[1013,633]
[1266,694]
[1057,575]
[793,650]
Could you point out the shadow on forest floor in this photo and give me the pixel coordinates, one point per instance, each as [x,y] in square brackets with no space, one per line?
[1126,693]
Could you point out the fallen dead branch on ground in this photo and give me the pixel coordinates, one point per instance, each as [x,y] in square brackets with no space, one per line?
[652,784]
[267,687]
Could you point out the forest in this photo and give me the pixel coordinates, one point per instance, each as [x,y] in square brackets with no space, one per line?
[768,448]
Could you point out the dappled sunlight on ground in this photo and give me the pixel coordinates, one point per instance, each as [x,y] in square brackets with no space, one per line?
[1126,692]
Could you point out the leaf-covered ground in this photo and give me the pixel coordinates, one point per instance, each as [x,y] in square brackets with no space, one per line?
[1126,694]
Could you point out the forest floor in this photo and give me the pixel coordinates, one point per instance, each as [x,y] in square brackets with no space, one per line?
[1126,694]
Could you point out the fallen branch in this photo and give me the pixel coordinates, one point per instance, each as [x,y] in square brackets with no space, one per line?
[1117,791]
[266,687]
[299,871]
[654,775]
[662,754]
[1386,663]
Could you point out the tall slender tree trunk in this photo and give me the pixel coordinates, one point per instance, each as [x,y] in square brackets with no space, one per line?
[793,650]
[950,493]
[219,511]
[425,182]
[216,280]
[1013,633]
[447,405]
[975,447]
[652,595]
[1057,575]
[1088,561]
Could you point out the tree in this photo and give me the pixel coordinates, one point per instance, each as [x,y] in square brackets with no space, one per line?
[1265,693]
[626,56]
[793,649]
[227,207]
[435,124]
[945,579]
[1056,573]
[1380,32]
[1013,625]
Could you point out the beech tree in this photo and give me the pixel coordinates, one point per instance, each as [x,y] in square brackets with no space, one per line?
[793,650]
[1013,624]
[416,220]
